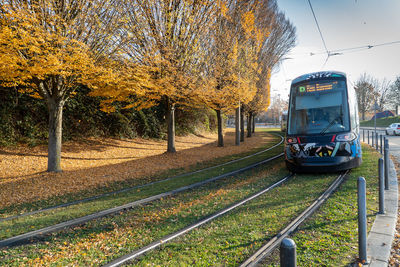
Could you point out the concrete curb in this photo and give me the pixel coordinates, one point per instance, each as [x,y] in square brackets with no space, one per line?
[380,238]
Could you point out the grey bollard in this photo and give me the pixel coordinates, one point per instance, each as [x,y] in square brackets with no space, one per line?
[376,141]
[362,220]
[381,144]
[381,186]
[372,139]
[386,163]
[288,253]
[363,135]
[368,136]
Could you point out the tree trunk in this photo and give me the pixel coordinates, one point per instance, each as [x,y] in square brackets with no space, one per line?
[171,127]
[237,126]
[55,107]
[220,134]
[241,126]
[249,118]
[254,123]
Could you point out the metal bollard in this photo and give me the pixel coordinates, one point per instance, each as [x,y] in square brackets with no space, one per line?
[363,135]
[288,253]
[386,162]
[372,139]
[381,144]
[362,220]
[376,141]
[368,136]
[381,187]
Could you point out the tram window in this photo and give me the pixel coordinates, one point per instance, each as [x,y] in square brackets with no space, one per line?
[319,113]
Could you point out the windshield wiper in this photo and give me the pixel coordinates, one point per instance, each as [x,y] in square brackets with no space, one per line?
[329,125]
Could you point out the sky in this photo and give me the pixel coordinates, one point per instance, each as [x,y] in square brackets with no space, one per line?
[344,24]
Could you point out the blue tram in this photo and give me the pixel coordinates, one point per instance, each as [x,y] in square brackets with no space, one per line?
[322,132]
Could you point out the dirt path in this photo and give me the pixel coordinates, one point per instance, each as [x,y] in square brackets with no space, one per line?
[93,163]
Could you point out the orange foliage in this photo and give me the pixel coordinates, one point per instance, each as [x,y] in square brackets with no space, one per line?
[99,162]
[234,67]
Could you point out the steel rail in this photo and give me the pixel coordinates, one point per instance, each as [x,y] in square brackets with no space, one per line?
[155,244]
[26,237]
[137,186]
[290,228]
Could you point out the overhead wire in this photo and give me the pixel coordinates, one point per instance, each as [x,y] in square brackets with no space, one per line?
[348,50]
[320,33]
[319,29]
[344,50]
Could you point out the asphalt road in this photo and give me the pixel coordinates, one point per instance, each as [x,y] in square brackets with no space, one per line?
[394,141]
[394,146]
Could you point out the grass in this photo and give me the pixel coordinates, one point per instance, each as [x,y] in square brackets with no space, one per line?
[29,223]
[57,200]
[330,237]
[327,239]
[231,239]
[100,240]
[383,122]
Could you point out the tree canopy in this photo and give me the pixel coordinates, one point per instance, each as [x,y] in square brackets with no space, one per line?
[142,53]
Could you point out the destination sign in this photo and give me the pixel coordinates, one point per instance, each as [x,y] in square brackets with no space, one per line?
[317,87]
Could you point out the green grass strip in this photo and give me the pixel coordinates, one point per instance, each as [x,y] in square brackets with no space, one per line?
[100,240]
[231,239]
[383,122]
[330,237]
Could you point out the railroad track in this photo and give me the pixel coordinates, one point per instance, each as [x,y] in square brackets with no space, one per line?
[34,235]
[261,253]
[274,242]
[64,205]
[155,244]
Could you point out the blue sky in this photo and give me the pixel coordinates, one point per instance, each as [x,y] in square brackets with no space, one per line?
[344,24]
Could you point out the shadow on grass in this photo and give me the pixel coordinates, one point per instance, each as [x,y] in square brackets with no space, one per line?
[169,165]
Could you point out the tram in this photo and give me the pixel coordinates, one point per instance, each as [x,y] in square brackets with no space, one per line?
[323,127]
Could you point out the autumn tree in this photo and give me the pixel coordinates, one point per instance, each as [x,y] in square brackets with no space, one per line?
[394,94]
[165,36]
[365,88]
[382,94]
[49,48]
[231,66]
[281,38]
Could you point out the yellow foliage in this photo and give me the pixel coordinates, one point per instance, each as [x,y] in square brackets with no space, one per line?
[38,52]
[248,22]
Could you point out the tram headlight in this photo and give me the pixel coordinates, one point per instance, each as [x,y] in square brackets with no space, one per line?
[346,137]
[291,140]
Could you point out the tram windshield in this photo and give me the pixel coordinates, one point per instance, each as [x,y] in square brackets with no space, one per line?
[319,108]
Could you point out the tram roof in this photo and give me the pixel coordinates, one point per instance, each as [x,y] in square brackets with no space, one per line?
[318,75]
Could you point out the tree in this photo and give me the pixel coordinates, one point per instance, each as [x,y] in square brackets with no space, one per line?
[231,67]
[365,88]
[382,94]
[48,48]
[165,35]
[394,94]
[281,38]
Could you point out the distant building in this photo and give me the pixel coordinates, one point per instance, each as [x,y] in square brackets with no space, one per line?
[383,114]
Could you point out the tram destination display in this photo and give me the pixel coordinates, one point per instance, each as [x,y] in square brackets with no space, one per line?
[317,87]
